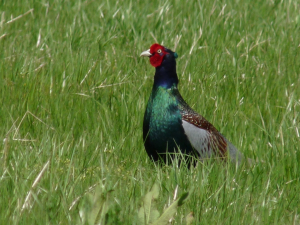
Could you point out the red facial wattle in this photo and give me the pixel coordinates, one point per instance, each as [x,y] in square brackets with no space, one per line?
[158,53]
[156,60]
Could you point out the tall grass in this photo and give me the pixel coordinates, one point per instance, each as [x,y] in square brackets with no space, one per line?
[74,89]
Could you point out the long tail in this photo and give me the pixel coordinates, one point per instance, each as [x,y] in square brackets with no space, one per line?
[235,155]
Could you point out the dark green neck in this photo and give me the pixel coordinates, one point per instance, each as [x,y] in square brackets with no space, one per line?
[165,75]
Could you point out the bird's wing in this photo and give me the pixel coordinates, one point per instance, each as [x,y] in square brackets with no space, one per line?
[204,137]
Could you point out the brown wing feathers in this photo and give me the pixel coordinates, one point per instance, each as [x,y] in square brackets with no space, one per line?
[190,116]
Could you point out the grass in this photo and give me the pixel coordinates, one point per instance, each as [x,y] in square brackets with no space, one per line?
[74,89]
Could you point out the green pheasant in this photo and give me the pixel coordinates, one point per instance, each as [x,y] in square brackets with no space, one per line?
[171,125]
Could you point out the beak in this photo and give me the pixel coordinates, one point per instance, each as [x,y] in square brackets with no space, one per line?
[146,53]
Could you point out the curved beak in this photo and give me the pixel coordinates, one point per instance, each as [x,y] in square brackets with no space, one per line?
[146,53]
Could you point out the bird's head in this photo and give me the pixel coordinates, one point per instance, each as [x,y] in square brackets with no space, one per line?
[158,54]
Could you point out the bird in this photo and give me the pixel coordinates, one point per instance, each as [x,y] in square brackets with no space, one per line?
[171,126]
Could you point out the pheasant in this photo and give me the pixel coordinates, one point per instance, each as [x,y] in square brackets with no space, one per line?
[171,125]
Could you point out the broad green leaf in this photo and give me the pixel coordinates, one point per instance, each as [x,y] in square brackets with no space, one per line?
[171,210]
[94,207]
[147,213]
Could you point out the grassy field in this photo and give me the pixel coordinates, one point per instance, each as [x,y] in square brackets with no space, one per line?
[73,91]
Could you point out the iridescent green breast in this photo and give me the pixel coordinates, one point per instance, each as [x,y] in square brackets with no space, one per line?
[163,131]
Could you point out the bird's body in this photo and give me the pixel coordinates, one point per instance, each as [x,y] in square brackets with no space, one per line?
[170,125]
[163,130]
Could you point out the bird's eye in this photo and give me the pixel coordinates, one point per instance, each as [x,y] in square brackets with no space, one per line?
[159,51]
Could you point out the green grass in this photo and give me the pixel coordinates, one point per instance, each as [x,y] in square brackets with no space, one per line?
[74,89]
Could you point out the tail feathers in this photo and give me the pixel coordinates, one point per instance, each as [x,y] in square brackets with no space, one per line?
[235,156]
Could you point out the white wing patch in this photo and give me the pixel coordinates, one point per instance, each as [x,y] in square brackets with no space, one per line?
[199,139]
